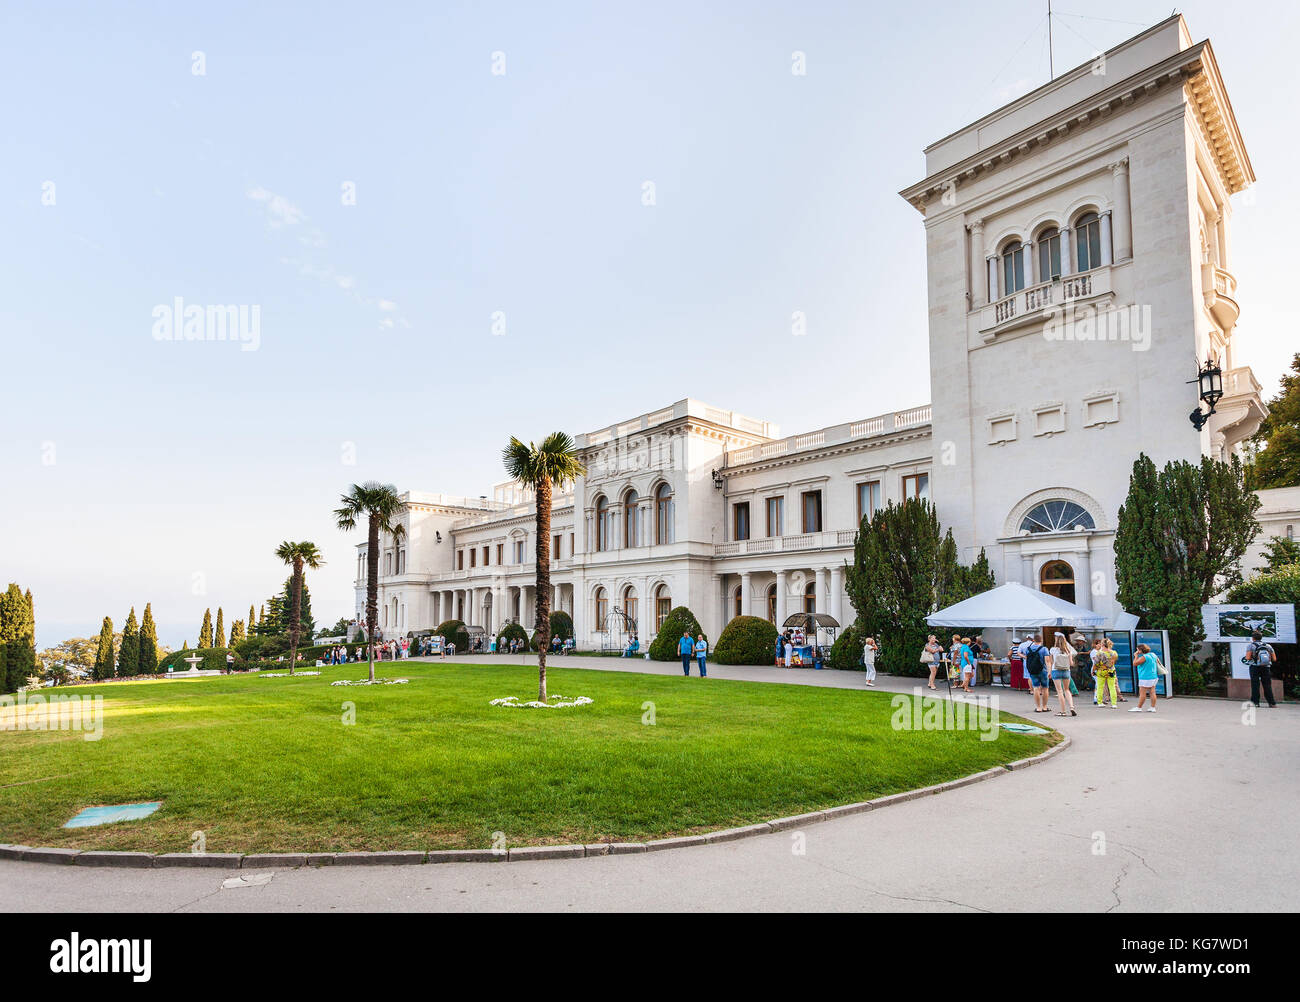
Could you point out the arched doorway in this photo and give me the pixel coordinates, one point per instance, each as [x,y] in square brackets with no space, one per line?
[1057,578]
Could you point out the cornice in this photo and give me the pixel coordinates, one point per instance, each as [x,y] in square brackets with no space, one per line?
[916,433]
[1194,66]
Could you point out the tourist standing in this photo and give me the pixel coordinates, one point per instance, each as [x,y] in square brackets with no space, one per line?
[230,666]
[869,650]
[1149,670]
[933,654]
[686,648]
[1261,657]
[702,655]
[1035,655]
[1062,659]
[789,649]
[966,664]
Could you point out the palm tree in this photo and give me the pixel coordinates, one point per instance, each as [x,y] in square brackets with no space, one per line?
[380,504]
[554,463]
[297,556]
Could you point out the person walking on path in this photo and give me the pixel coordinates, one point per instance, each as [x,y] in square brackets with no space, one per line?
[965,661]
[1261,657]
[932,654]
[686,648]
[1035,655]
[869,650]
[702,655]
[1062,658]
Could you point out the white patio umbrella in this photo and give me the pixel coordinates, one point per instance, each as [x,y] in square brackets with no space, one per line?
[1013,606]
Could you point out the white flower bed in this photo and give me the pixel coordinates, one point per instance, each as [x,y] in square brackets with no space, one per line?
[366,681]
[284,674]
[554,702]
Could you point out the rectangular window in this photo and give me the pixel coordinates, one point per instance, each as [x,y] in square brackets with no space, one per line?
[486,553]
[473,556]
[501,553]
[775,516]
[460,560]
[812,511]
[868,499]
[519,551]
[740,521]
[917,486]
[1049,257]
[571,547]
[555,546]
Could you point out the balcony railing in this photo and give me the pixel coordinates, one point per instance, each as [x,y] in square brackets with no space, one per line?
[836,434]
[832,539]
[1032,303]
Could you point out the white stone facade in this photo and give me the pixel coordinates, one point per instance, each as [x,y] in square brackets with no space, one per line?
[1097,203]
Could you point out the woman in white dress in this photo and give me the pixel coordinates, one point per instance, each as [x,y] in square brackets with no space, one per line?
[869,650]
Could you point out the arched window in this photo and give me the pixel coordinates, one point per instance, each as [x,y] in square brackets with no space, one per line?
[602,608]
[738,600]
[1013,268]
[629,605]
[1057,578]
[631,519]
[810,597]
[771,603]
[1056,516]
[1087,242]
[664,514]
[602,523]
[663,606]
[1049,255]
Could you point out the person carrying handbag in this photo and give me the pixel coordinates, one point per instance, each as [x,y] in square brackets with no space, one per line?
[930,657]
[1149,669]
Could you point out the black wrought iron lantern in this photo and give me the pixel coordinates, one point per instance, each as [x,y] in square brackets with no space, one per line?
[1209,380]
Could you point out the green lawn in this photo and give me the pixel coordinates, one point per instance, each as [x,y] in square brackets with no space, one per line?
[267,765]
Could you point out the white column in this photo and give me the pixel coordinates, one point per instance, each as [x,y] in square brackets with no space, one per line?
[993,279]
[837,594]
[746,600]
[720,607]
[780,598]
[823,589]
[1083,578]
[1123,222]
[1106,255]
[1027,571]
[1031,265]
[1067,251]
[977,296]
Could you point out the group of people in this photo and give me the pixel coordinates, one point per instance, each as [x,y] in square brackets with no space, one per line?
[633,646]
[698,649]
[960,657]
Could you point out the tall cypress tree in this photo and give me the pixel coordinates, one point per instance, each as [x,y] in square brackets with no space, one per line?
[17,638]
[148,664]
[220,639]
[205,631]
[104,655]
[236,632]
[250,624]
[128,655]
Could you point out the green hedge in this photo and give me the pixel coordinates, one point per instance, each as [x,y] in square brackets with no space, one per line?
[561,626]
[746,640]
[679,620]
[846,652]
[453,632]
[214,659]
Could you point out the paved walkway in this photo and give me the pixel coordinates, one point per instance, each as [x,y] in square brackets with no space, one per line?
[1186,809]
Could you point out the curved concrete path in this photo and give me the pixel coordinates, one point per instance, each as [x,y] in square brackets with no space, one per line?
[1187,809]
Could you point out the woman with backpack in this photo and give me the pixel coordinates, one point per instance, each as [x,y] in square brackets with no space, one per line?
[1149,669]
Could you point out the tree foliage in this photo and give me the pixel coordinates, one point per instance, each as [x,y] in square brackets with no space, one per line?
[1280,552]
[17,639]
[904,568]
[205,631]
[104,654]
[382,507]
[1179,540]
[1277,459]
[148,643]
[128,655]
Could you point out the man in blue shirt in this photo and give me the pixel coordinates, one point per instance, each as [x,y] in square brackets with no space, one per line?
[686,648]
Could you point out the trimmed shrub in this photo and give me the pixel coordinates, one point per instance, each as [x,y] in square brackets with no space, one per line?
[509,632]
[846,652]
[561,626]
[453,632]
[746,640]
[679,620]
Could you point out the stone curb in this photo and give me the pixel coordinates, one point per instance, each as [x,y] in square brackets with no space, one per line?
[263,860]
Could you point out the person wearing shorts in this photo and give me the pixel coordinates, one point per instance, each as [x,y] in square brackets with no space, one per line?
[1035,655]
[1148,673]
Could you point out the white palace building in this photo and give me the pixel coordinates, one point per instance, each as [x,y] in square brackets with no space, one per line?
[1081,234]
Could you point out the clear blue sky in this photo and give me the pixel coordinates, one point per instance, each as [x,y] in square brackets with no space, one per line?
[478,193]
